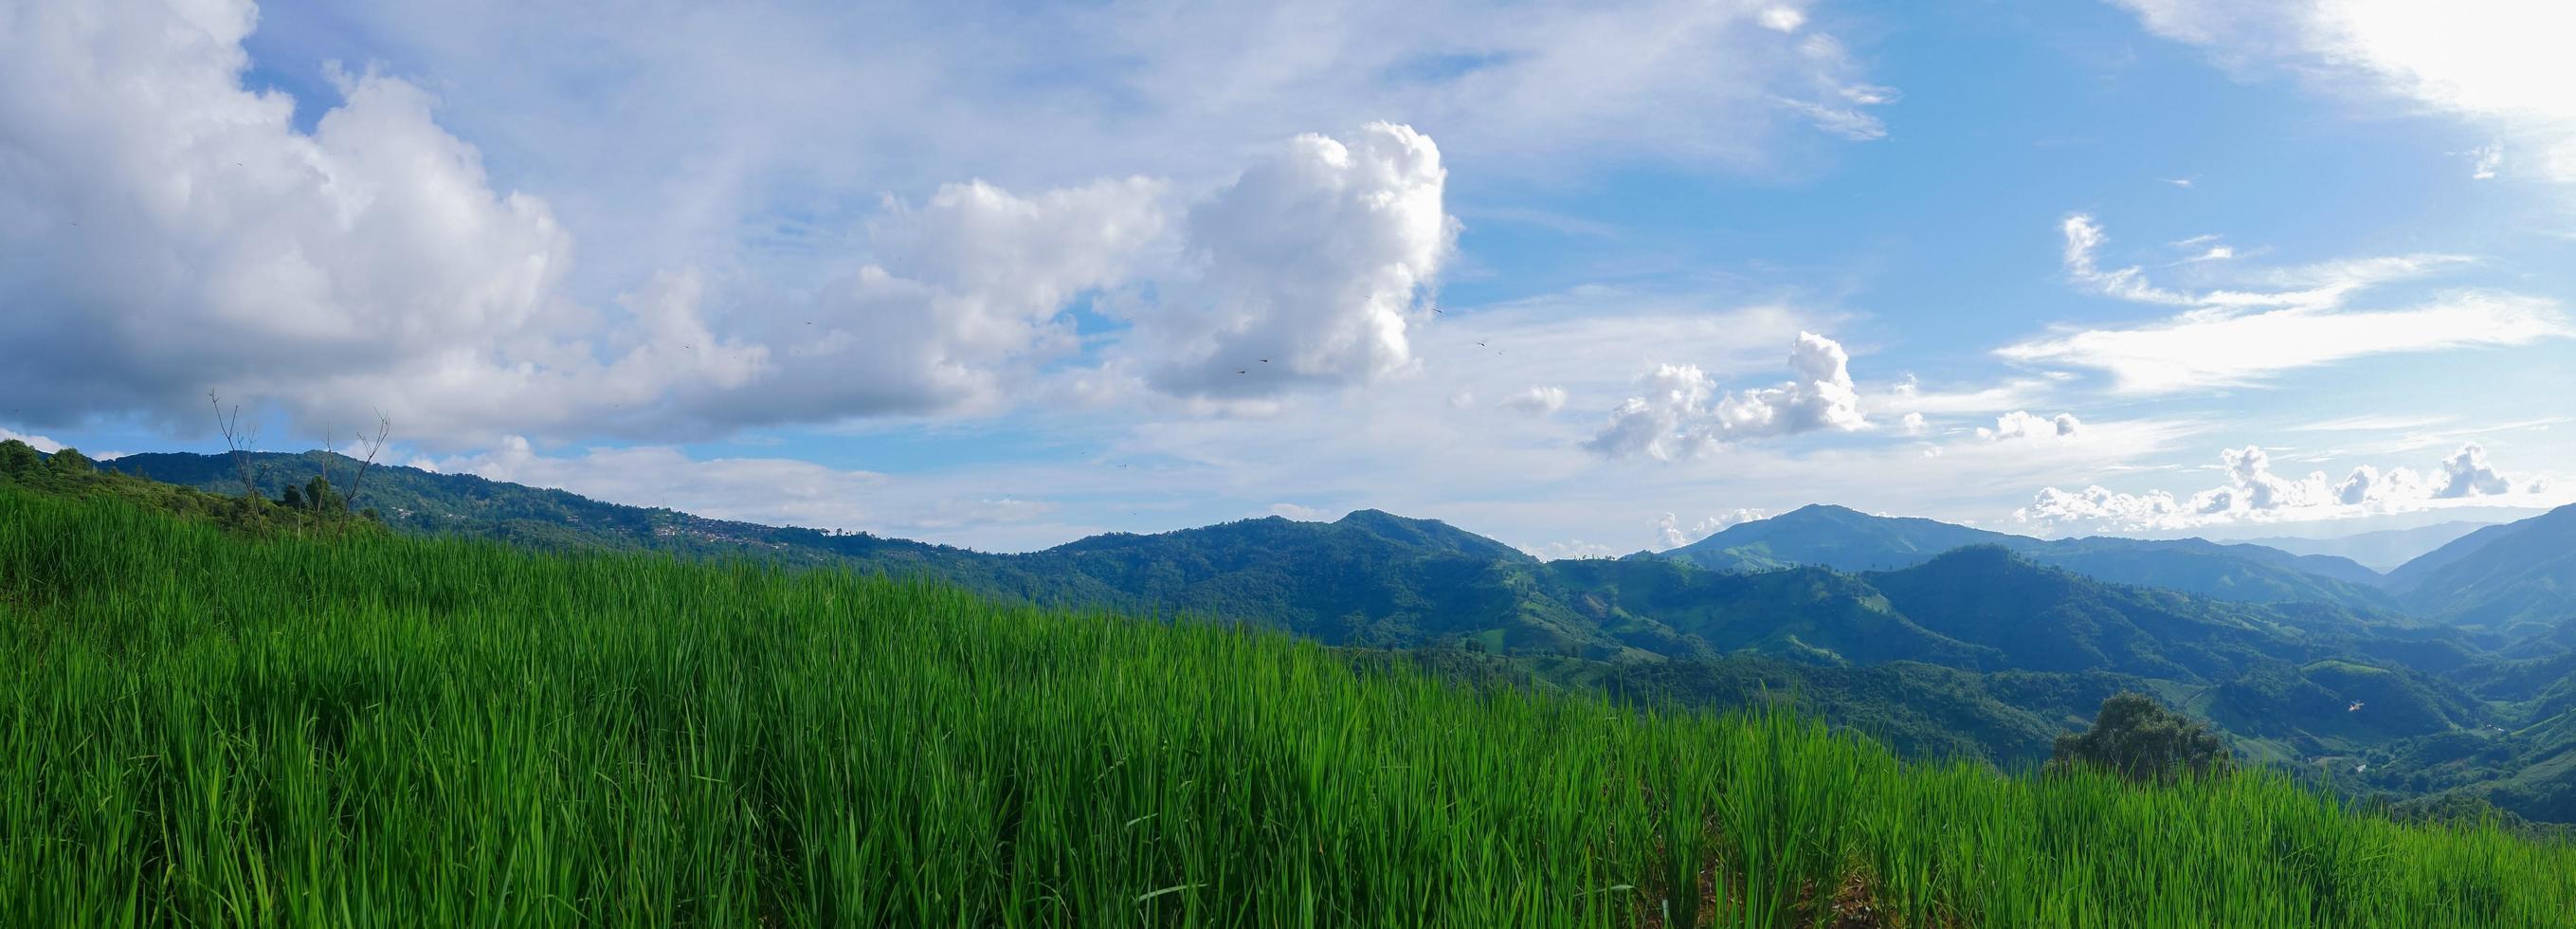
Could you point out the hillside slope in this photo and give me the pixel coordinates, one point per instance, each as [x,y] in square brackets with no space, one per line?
[2050,619]
[2518,578]
[338,730]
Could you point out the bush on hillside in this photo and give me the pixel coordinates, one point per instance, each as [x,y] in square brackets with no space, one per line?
[2142,741]
[18,458]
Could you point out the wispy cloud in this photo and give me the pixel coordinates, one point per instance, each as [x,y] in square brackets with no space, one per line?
[2488,158]
[2504,64]
[2236,337]
[2371,424]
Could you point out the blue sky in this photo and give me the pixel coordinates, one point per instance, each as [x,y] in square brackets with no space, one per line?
[1588,278]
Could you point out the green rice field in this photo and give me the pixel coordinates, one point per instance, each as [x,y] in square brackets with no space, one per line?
[199,728]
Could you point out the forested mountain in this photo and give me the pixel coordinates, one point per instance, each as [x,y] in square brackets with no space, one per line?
[1845,539]
[1373,578]
[2518,578]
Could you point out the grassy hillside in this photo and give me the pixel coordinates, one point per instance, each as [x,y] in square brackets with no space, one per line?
[204,728]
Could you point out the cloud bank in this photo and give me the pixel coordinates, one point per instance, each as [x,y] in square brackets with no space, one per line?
[171,231]
[2255,493]
[1670,531]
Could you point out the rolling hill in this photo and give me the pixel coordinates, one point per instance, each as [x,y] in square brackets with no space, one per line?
[1848,540]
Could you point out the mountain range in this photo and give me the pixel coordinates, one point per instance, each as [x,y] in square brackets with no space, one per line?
[2447,674]
[1845,539]
[2380,549]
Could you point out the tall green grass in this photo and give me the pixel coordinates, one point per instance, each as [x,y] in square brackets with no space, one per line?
[201,729]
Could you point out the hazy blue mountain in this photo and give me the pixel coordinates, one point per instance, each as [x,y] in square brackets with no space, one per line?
[1849,540]
[2406,577]
[2381,550]
[2518,578]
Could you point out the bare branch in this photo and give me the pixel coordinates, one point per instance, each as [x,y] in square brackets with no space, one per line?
[328,450]
[384,426]
[236,442]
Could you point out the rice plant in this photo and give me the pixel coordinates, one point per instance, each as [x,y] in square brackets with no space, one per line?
[203,729]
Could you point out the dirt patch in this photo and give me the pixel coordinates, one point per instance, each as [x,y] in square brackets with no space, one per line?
[1855,906]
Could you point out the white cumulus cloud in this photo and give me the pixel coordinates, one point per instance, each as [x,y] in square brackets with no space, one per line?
[1570,548]
[38,442]
[1537,401]
[1670,531]
[2024,424]
[2255,493]
[1680,413]
[965,293]
[170,231]
[1308,269]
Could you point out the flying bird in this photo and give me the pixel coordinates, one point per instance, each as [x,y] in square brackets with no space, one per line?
[2354,708]
[2364,766]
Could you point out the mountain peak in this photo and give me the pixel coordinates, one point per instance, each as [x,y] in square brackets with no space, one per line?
[1820,511]
[1430,534]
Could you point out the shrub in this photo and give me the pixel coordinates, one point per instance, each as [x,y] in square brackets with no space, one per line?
[2142,741]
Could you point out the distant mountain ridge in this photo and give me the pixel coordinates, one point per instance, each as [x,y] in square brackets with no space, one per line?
[1374,578]
[1845,539]
[2379,550]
